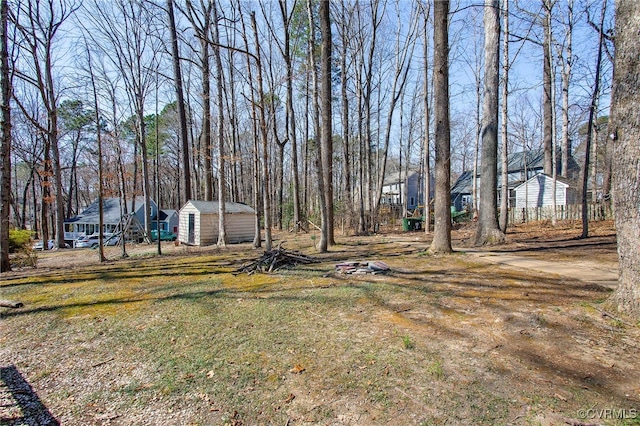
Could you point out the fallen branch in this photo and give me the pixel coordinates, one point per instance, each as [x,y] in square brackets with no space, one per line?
[98,364]
[11,304]
[607,314]
[274,260]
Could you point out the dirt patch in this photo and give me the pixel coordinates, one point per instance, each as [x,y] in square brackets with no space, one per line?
[178,339]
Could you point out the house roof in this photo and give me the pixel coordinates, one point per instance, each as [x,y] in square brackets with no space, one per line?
[463,184]
[111,211]
[167,213]
[516,162]
[213,207]
[397,177]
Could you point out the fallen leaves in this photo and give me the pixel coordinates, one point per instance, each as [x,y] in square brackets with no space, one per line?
[297,369]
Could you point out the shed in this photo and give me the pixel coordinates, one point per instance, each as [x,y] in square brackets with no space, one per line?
[198,223]
[538,192]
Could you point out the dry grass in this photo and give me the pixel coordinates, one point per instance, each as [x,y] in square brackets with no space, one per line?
[178,339]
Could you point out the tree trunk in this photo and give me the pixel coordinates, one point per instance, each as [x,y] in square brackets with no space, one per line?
[327,132]
[504,154]
[101,256]
[442,227]
[591,124]
[427,127]
[5,143]
[547,112]
[488,231]
[566,80]
[324,216]
[625,128]
[290,116]
[265,142]
[205,135]
[222,182]
[182,116]
[344,97]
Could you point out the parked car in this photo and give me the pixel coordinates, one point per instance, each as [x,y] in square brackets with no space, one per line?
[164,235]
[92,241]
[51,244]
[39,245]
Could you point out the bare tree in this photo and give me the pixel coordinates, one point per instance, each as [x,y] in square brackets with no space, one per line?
[625,130]
[39,23]
[344,30]
[504,133]
[265,139]
[591,124]
[177,74]
[442,226]
[326,143]
[101,256]
[403,54]
[200,17]
[566,57]
[5,134]
[426,9]
[222,184]
[124,31]
[547,87]
[488,231]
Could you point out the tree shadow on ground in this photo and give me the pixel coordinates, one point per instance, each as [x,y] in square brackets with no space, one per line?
[19,403]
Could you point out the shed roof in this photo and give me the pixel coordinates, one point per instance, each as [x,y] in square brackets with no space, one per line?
[541,177]
[213,207]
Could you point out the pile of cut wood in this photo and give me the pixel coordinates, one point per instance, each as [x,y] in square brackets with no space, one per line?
[374,267]
[274,260]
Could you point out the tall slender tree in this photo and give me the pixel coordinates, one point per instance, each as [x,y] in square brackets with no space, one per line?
[504,134]
[180,101]
[5,134]
[591,125]
[441,242]
[222,183]
[488,231]
[262,120]
[547,87]
[200,17]
[326,134]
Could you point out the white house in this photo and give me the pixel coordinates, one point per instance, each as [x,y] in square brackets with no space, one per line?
[538,192]
[198,223]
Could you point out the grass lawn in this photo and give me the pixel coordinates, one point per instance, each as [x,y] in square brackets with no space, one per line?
[179,339]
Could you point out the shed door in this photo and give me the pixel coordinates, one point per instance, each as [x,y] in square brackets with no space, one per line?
[192,228]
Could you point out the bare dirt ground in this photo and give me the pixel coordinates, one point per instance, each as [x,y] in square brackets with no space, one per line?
[512,334]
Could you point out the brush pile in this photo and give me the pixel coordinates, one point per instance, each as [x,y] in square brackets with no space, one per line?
[275,260]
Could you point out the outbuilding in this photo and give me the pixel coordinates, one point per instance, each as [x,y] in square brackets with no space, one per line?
[198,222]
[538,192]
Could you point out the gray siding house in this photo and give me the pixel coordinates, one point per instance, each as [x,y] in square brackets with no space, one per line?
[87,222]
[521,166]
[393,190]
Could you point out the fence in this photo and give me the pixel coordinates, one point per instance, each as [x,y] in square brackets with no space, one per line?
[595,211]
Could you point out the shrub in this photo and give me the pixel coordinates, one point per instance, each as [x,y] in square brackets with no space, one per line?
[19,239]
